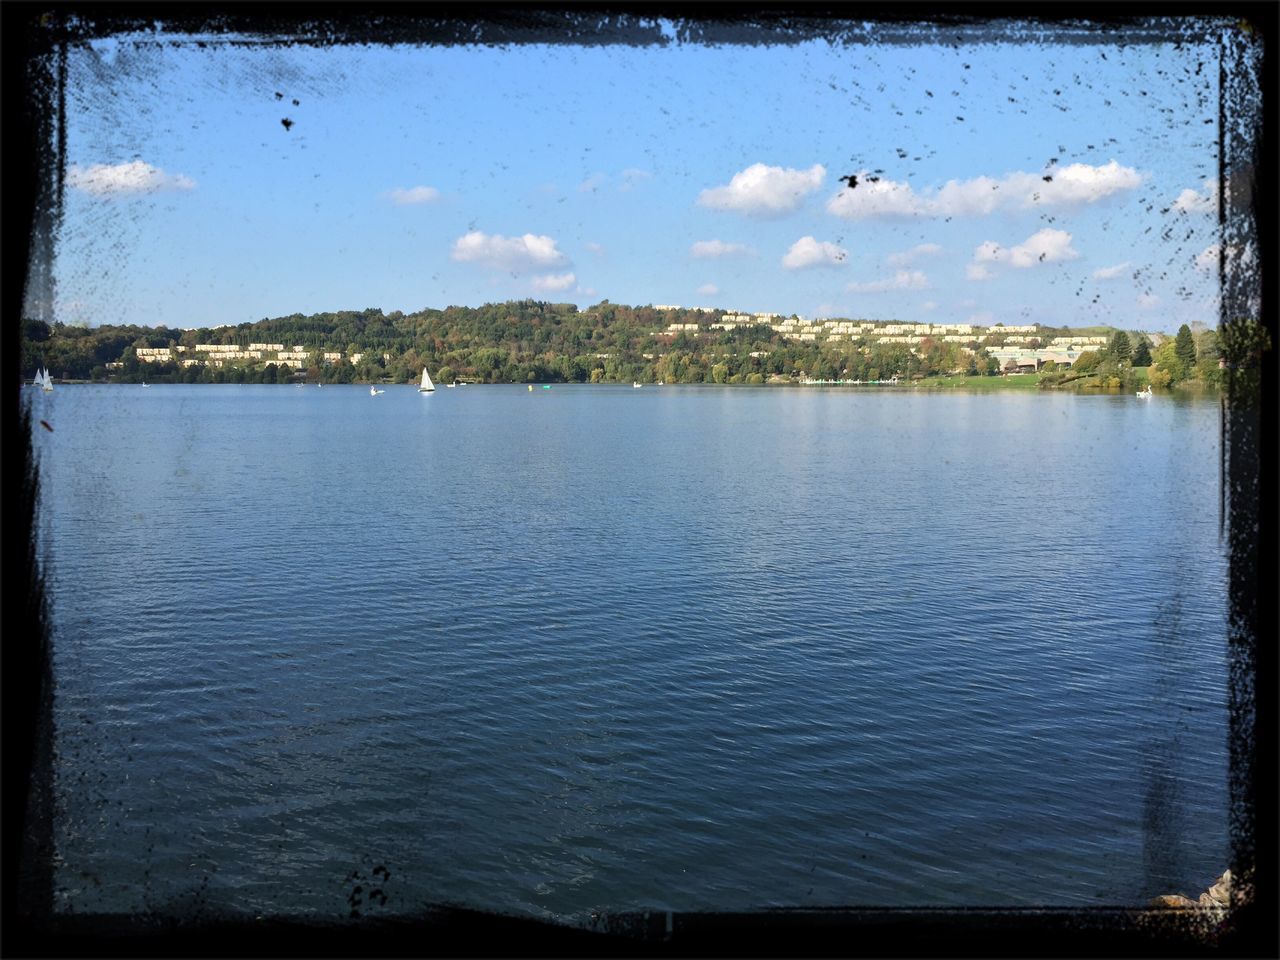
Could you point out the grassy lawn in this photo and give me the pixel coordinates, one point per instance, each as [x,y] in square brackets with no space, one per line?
[1021,381]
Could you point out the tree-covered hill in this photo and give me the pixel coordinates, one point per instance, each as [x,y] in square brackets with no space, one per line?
[517,341]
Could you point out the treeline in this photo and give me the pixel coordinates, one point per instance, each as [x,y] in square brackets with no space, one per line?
[513,342]
[1188,358]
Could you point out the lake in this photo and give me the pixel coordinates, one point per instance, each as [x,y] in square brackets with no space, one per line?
[596,648]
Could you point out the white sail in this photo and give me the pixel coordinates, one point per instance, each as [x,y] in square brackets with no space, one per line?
[426,386]
[45,381]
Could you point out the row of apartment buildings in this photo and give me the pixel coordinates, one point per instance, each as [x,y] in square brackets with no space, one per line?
[216,354]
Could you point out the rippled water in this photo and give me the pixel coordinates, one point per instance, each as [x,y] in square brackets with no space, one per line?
[597,648]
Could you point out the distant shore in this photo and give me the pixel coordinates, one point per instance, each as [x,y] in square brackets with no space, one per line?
[1017,382]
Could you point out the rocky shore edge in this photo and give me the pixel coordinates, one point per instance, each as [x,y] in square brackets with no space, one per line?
[1217,897]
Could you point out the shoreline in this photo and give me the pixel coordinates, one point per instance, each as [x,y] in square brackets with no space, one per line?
[1017,383]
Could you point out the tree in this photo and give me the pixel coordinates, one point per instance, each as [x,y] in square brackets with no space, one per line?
[1166,358]
[1087,362]
[1185,347]
[446,374]
[1142,353]
[1120,348]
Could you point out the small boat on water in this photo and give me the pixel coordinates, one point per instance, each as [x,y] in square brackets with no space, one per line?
[531,388]
[454,384]
[636,385]
[426,386]
[374,391]
[1145,394]
[43,380]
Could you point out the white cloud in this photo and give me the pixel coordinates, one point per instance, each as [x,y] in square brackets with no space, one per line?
[1191,202]
[633,176]
[1110,273]
[1081,183]
[1073,185]
[929,305]
[908,257]
[595,248]
[902,280]
[1207,259]
[882,198]
[808,252]
[508,253]
[974,198]
[1045,246]
[759,189]
[709,249]
[102,179]
[414,195]
[551,281]
[708,290]
[1148,300]
[988,252]
[592,183]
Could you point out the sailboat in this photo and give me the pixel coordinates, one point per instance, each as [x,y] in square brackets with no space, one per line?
[43,378]
[426,386]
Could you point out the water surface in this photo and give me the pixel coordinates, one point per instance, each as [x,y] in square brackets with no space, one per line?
[596,648]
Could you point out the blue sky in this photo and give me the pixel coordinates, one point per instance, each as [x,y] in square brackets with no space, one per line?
[689,174]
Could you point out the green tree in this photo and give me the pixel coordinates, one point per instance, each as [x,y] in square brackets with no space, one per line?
[446,374]
[1185,347]
[1166,358]
[1142,353]
[1087,362]
[1120,348]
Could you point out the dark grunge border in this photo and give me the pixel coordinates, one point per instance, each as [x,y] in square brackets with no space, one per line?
[35,37]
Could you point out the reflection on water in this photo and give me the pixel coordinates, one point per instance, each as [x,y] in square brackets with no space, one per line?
[602,649]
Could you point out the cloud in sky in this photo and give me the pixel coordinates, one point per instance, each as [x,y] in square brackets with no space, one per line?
[711,249]
[764,190]
[708,290]
[1189,201]
[508,253]
[1045,246]
[929,305]
[908,257]
[595,248]
[1110,273]
[1148,300]
[633,176]
[1073,185]
[551,281]
[104,180]
[413,195]
[592,183]
[902,280]
[1207,259]
[808,252]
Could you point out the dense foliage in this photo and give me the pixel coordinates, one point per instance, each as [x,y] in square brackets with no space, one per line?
[517,342]
[522,341]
